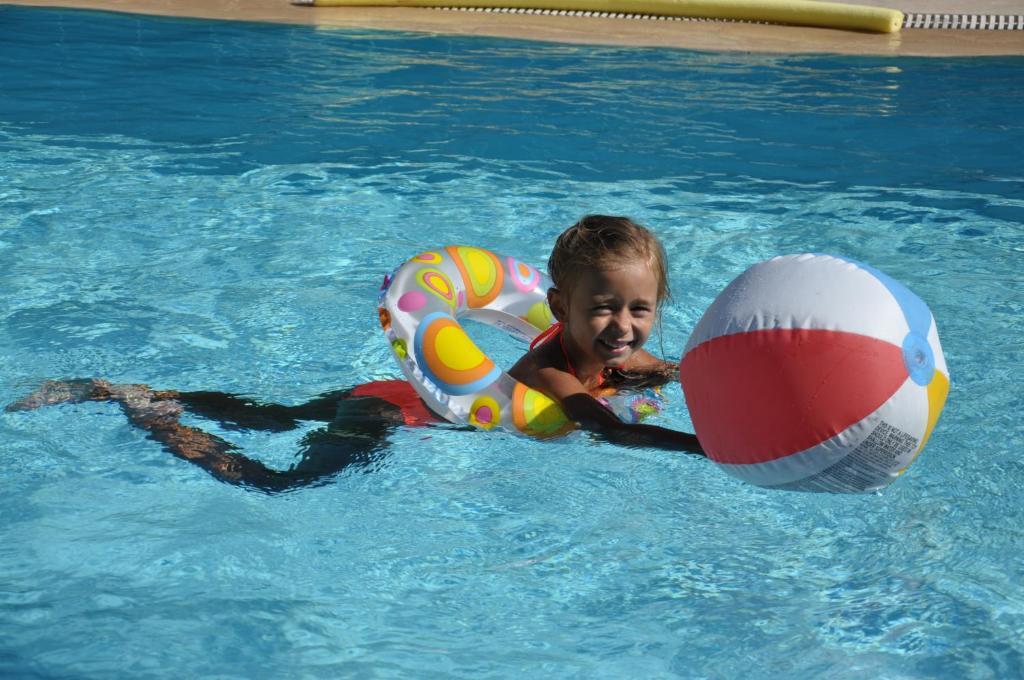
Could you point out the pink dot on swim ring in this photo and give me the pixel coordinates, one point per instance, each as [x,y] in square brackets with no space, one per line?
[428,257]
[412,301]
[485,412]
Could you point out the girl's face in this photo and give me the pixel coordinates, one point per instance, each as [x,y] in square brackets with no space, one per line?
[608,315]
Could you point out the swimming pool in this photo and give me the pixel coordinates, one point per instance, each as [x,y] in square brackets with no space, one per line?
[202,205]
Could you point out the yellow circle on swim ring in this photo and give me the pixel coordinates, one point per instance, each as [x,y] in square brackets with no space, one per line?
[456,351]
[481,272]
[449,358]
[536,414]
[539,315]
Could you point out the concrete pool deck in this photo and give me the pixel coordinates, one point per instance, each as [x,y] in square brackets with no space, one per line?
[695,35]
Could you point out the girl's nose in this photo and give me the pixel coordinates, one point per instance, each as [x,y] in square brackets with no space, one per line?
[622,320]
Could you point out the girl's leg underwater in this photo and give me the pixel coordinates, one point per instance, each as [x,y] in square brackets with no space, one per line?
[240,413]
[356,435]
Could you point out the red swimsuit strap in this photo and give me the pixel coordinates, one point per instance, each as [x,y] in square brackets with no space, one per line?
[556,329]
[545,335]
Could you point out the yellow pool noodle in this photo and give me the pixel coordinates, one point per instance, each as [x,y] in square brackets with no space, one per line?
[794,12]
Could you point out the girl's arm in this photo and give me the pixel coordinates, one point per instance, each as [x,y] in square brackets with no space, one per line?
[644,362]
[592,416]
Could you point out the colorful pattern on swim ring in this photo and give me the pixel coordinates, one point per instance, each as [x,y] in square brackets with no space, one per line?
[424,301]
[523,276]
[536,414]
[481,273]
[450,359]
[485,413]
[428,257]
[635,407]
[434,282]
[539,316]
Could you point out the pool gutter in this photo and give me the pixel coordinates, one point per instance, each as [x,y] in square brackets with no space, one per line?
[704,35]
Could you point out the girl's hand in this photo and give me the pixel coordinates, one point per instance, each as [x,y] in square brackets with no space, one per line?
[594,417]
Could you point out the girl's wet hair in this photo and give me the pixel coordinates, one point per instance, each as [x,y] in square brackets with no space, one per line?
[605,242]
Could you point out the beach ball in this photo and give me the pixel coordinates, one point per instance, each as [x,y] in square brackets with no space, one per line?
[815,373]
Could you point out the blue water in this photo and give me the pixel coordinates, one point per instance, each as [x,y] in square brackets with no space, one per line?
[211,206]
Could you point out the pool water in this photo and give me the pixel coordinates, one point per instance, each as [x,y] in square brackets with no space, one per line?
[212,206]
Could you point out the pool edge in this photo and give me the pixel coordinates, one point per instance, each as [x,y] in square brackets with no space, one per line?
[691,35]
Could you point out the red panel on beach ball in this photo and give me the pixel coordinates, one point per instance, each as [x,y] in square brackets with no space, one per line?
[762,395]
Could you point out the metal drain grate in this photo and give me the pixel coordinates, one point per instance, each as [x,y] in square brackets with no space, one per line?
[984,22]
[585,13]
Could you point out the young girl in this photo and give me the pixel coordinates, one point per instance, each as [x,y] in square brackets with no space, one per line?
[609,279]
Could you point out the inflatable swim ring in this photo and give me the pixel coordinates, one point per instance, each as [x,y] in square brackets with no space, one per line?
[420,307]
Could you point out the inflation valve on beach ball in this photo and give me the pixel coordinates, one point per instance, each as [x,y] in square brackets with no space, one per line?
[815,373]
